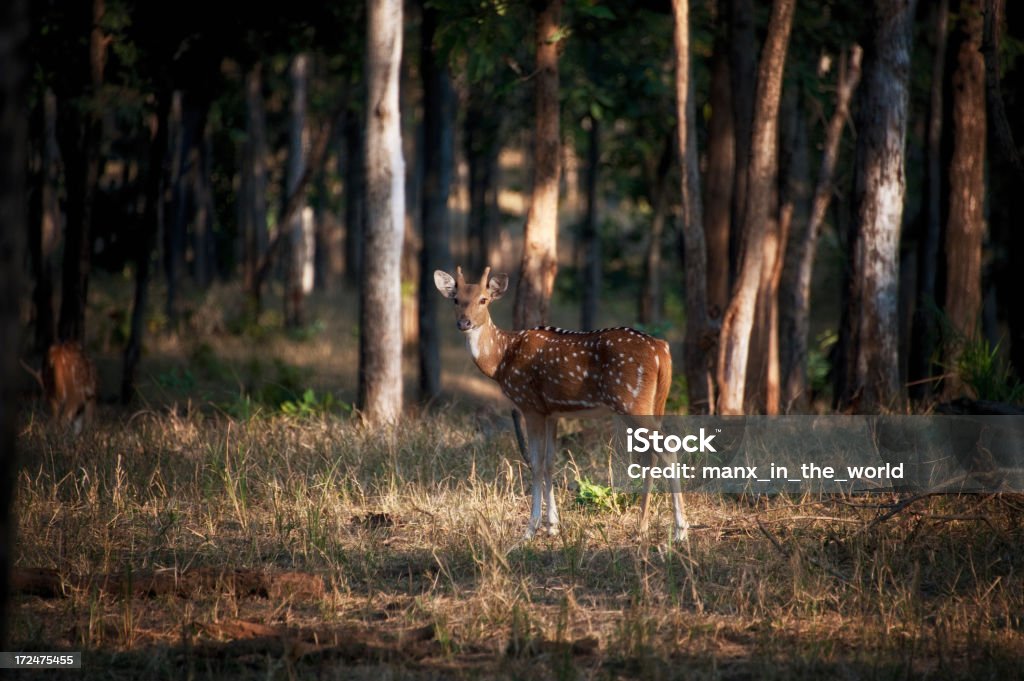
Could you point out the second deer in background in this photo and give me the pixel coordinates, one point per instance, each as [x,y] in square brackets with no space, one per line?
[549,372]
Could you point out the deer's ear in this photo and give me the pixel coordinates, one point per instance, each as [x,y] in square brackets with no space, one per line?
[445,283]
[497,285]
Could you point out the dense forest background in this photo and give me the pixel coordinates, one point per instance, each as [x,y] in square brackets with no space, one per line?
[852,175]
[296,469]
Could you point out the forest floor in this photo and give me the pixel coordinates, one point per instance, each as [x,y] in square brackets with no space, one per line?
[210,533]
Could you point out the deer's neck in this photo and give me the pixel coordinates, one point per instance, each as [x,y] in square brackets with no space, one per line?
[487,343]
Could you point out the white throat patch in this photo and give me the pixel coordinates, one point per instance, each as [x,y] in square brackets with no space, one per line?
[473,341]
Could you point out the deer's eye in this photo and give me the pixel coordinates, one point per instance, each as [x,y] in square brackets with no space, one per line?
[483,301]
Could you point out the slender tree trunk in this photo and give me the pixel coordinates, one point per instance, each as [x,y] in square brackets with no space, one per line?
[481,128]
[151,219]
[300,230]
[868,375]
[46,239]
[591,245]
[540,240]
[965,228]
[796,292]
[355,198]
[438,150]
[792,216]
[79,131]
[721,171]
[761,172]
[14,80]
[743,78]
[925,329]
[380,328]
[254,177]
[203,226]
[695,345]
[1006,178]
[658,178]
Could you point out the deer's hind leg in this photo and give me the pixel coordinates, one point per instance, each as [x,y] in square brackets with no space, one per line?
[536,440]
[550,426]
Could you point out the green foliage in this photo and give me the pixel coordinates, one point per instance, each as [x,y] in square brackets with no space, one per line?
[657,329]
[594,497]
[980,367]
[678,395]
[311,406]
[177,379]
[818,365]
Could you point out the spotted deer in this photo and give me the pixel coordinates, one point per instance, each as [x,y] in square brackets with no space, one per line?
[549,373]
[69,382]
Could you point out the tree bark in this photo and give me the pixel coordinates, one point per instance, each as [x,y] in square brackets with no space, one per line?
[658,179]
[743,78]
[380,328]
[540,239]
[355,198]
[591,242]
[965,228]
[761,171]
[254,178]
[925,328]
[46,238]
[79,130]
[868,362]
[14,80]
[695,343]
[795,297]
[721,172]
[151,220]
[300,229]
[438,150]
[481,129]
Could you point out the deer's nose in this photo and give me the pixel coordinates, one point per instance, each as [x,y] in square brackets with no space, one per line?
[464,324]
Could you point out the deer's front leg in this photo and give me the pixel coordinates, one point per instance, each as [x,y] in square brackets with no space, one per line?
[536,432]
[551,424]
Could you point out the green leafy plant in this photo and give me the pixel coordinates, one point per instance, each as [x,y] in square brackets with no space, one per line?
[595,497]
[311,406]
[981,368]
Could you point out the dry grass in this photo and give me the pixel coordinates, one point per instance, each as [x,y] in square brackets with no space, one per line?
[416,536]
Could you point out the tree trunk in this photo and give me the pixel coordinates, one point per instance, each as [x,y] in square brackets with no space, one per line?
[721,171]
[300,229]
[438,150]
[925,329]
[79,130]
[591,245]
[540,239]
[1006,179]
[481,128]
[743,78]
[46,238]
[658,178]
[202,196]
[253,197]
[795,297]
[14,81]
[761,172]
[187,120]
[151,220]
[695,344]
[380,328]
[868,365]
[965,228]
[792,217]
[355,198]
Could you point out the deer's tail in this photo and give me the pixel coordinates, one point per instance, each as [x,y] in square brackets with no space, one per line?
[664,357]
